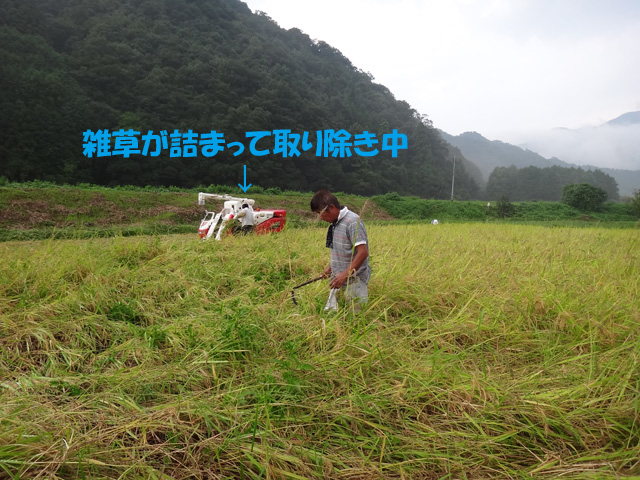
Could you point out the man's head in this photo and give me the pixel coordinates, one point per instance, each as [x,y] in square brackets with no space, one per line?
[325,204]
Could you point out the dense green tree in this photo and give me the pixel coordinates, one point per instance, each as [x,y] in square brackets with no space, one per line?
[584,196]
[42,112]
[607,183]
[206,65]
[635,203]
[502,183]
[535,183]
[505,208]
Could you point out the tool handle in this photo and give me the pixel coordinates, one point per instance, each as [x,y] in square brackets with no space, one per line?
[309,281]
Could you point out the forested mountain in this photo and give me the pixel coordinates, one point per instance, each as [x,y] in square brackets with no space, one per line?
[489,154]
[69,66]
[534,183]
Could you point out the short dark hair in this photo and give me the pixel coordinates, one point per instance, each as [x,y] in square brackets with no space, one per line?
[322,199]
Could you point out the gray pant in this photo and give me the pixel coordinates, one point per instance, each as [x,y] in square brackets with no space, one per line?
[356,292]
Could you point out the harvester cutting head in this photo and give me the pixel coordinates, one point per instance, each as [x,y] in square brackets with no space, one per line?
[265,221]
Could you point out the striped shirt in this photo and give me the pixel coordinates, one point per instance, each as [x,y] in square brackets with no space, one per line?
[348,233]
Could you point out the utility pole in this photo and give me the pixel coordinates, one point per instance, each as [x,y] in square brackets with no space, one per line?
[453,179]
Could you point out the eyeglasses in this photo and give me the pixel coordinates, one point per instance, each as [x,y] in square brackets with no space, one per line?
[322,211]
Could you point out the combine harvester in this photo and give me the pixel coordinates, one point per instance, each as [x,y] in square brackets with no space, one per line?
[265,221]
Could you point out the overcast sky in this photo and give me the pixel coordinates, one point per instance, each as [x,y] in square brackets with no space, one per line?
[503,68]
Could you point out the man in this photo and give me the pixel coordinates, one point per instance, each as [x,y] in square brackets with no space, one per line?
[246,216]
[347,239]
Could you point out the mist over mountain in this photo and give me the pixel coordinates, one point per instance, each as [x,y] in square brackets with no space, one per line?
[630,118]
[614,144]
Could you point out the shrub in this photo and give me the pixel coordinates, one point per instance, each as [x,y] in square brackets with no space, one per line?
[584,197]
[505,208]
[635,203]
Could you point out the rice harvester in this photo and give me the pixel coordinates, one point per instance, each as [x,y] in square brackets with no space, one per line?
[212,225]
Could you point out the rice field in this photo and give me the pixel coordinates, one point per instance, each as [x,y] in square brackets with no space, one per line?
[486,351]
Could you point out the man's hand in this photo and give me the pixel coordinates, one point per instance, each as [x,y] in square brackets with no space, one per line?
[340,279]
[361,254]
[326,272]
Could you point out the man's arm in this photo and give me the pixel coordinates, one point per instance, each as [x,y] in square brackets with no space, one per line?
[361,254]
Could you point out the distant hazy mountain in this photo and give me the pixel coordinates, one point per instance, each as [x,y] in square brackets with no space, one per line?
[631,118]
[614,144]
[489,154]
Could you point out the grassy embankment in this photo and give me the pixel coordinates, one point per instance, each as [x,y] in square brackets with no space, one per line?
[40,210]
[616,215]
[486,351]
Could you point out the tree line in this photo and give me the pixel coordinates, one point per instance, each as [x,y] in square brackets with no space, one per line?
[545,184]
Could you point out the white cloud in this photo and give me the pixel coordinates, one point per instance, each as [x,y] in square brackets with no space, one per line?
[604,146]
[499,67]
